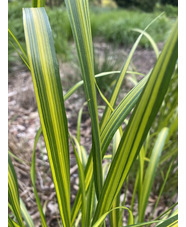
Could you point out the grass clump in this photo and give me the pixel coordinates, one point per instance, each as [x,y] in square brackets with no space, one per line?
[121,22]
[101,174]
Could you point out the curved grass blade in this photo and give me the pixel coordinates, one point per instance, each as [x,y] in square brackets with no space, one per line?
[79,124]
[19,45]
[78,150]
[26,215]
[102,218]
[151,40]
[150,173]
[139,123]
[80,83]
[84,155]
[103,97]
[12,223]
[13,193]
[121,77]
[143,224]
[33,176]
[167,156]
[78,12]
[16,158]
[49,96]
[83,152]
[23,59]
[23,56]
[120,113]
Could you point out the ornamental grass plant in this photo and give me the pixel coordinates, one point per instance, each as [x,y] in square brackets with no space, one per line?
[150,144]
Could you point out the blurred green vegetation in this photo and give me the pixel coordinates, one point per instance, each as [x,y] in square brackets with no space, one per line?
[115,25]
[145,5]
[108,24]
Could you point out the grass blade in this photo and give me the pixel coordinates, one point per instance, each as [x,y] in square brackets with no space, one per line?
[120,113]
[13,193]
[90,203]
[23,59]
[33,176]
[121,77]
[170,222]
[80,83]
[79,124]
[38,3]
[78,12]
[143,224]
[49,96]
[153,44]
[114,215]
[150,173]
[12,223]
[167,211]
[26,215]
[102,218]
[19,45]
[139,124]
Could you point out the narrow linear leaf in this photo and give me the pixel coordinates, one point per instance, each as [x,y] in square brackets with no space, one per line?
[121,77]
[23,59]
[90,203]
[16,158]
[18,43]
[143,224]
[80,83]
[38,3]
[13,193]
[167,211]
[79,124]
[33,176]
[102,218]
[170,222]
[49,96]
[115,214]
[151,40]
[26,215]
[150,173]
[78,12]
[120,113]
[12,223]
